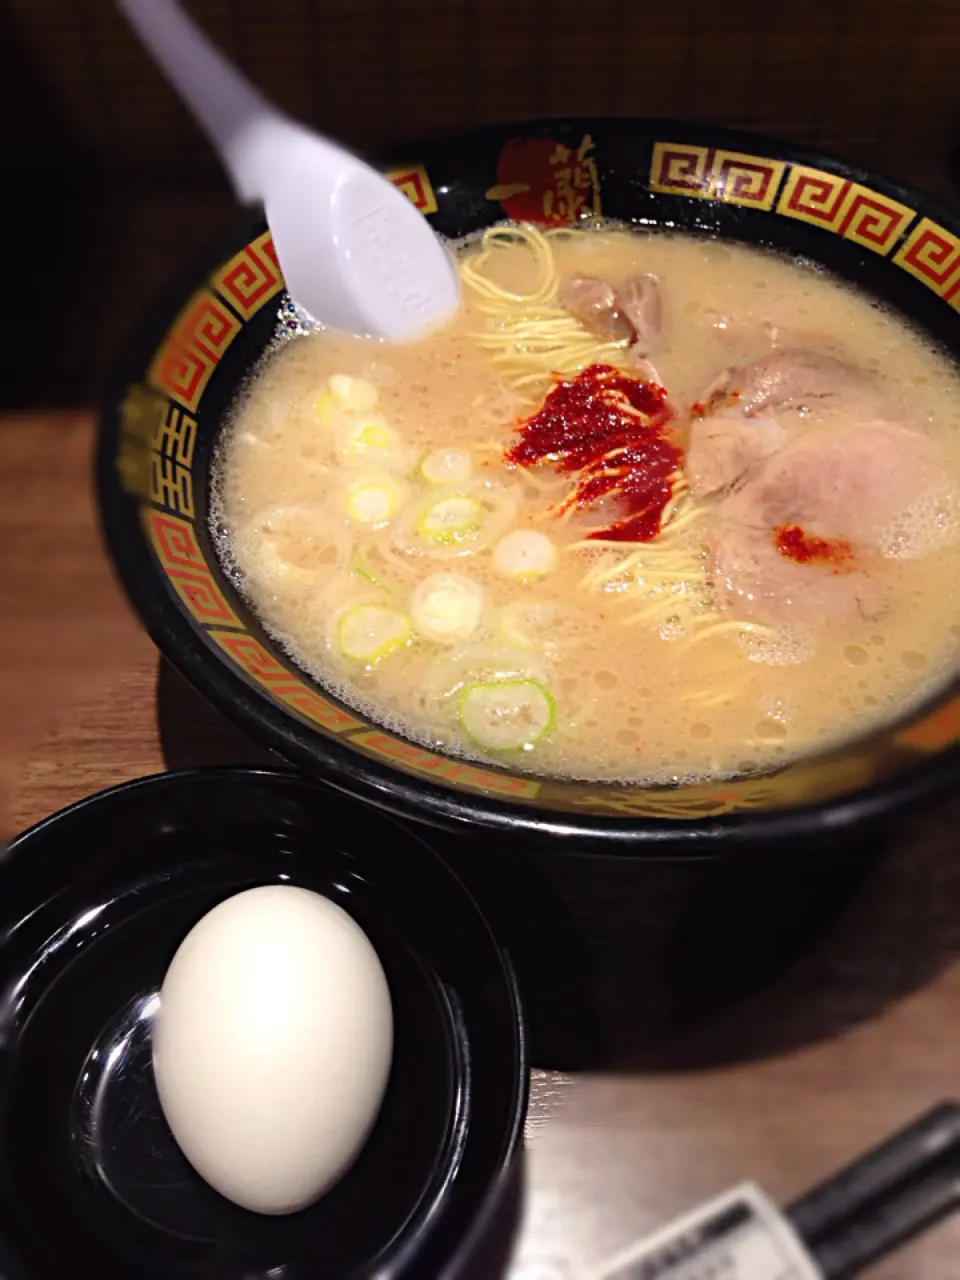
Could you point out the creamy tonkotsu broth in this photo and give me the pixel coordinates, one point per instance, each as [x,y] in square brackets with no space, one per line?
[755,563]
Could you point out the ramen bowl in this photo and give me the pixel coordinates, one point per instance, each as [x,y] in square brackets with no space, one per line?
[182,373]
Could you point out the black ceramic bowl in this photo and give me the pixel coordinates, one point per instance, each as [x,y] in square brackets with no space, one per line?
[182,373]
[93,904]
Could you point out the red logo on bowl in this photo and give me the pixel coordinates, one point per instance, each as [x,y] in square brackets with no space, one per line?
[542,180]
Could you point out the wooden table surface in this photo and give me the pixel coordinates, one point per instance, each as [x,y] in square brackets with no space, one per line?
[785,1069]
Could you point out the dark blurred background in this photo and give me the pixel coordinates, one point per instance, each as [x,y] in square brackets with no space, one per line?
[109,186]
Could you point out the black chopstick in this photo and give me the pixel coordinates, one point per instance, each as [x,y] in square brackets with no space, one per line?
[889,1222]
[904,1185]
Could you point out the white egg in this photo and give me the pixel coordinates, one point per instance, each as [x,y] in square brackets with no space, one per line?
[272,1046]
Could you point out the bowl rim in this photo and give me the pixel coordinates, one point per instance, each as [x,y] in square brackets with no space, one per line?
[511,1149]
[333,761]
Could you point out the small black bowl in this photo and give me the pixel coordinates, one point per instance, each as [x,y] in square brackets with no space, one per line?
[181,374]
[93,904]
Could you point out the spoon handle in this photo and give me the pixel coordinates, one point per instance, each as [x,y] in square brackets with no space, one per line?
[236,117]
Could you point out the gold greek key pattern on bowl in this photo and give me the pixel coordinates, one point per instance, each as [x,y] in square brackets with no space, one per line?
[837,204]
[710,173]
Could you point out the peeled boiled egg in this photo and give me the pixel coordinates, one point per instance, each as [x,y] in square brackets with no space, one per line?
[272,1046]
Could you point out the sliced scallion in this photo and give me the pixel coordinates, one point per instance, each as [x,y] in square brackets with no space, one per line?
[507,715]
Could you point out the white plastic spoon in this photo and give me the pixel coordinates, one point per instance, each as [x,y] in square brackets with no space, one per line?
[355,253]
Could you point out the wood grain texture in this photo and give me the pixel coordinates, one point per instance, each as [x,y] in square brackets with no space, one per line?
[873,80]
[762,1062]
